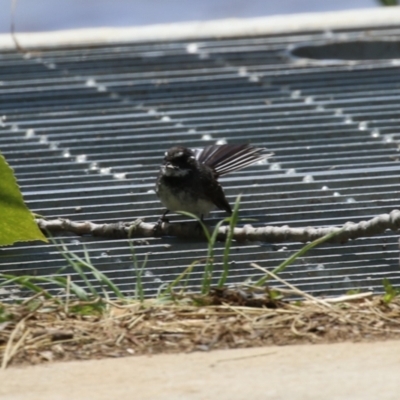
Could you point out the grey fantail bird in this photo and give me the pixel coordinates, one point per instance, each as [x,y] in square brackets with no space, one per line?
[188,179]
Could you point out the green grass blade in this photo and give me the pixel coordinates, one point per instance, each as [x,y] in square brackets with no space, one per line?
[76,266]
[168,290]
[233,220]
[26,281]
[139,291]
[100,277]
[203,226]
[209,267]
[298,254]
[78,291]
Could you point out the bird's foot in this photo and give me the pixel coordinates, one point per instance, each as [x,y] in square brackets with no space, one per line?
[158,224]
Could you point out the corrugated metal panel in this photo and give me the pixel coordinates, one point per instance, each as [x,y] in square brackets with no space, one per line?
[85,130]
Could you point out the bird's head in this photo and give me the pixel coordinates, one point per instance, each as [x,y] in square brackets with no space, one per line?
[178,161]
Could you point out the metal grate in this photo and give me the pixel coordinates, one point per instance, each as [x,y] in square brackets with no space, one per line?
[85,130]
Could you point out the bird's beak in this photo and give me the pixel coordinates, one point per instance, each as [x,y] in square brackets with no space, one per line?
[168,169]
[170,166]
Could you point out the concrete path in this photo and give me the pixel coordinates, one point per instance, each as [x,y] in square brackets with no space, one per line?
[345,371]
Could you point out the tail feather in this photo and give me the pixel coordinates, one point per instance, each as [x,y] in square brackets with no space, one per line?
[230,157]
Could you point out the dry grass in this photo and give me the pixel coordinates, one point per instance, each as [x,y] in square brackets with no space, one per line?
[42,330]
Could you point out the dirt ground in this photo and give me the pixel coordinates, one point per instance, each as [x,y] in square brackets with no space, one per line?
[47,331]
[347,371]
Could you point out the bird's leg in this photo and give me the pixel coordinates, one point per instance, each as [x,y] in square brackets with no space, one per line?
[160,220]
[163,217]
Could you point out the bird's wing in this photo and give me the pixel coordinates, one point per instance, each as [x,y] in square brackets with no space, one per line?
[213,192]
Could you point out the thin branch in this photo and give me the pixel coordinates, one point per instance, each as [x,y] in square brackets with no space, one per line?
[13,34]
[12,28]
[140,229]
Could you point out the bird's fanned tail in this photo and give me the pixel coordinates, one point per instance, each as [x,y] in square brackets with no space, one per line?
[227,158]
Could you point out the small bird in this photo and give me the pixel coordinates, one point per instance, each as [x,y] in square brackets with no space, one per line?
[188,179]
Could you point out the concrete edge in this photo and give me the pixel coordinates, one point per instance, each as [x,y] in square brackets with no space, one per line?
[218,28]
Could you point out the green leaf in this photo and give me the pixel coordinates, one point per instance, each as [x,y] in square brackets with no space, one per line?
[16,221]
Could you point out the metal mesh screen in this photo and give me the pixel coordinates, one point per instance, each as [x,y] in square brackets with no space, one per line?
[85,129]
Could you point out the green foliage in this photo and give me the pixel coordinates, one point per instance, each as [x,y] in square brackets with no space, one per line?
[211,239]
[389,2]
[92,308]
[353,291]
[274,294]
[167,292]
[84,268]
[29,282]
[390,291]
[16,221]
[233,220]
[139,270]
[4,315]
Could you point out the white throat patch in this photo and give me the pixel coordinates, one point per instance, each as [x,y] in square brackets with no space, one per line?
[172,171]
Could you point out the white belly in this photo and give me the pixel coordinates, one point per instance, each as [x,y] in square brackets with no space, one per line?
[184,202]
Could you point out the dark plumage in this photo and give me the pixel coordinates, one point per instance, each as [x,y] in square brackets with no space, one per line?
[188,179]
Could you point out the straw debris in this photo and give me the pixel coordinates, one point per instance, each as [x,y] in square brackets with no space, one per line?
[46,330]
